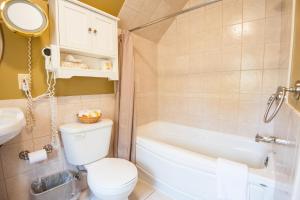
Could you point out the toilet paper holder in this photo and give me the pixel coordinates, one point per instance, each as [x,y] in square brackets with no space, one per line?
[23,155]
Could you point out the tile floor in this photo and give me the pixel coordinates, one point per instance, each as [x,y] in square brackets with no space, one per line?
[142,191]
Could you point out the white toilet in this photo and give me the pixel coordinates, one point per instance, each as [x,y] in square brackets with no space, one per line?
[88,145]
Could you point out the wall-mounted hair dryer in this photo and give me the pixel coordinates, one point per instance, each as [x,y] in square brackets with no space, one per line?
[51,57]
[46,52]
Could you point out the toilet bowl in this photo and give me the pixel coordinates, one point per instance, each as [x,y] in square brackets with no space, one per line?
[111,179]
[88,145]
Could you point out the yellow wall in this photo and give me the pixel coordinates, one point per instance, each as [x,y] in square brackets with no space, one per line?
[295,75]
[110,6]
[15,61]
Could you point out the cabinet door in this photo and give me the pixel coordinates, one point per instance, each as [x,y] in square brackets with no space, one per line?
[75,29]
[104,35]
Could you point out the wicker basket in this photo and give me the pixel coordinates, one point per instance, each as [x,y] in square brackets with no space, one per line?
[88,120]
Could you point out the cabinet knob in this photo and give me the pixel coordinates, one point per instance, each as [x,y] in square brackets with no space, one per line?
[90,29]
[95,31]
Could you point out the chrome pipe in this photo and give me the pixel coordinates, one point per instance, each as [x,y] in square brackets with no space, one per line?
[272,139]
[173,15]
[266,139]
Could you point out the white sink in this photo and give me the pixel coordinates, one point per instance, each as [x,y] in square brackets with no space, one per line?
[12,121]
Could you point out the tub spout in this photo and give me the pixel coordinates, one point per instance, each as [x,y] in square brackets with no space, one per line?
[271,139]
[267,139]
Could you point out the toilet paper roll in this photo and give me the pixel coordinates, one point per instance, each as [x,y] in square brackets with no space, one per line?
[37,156]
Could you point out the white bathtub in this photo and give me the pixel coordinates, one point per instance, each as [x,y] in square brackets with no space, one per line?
[181,160]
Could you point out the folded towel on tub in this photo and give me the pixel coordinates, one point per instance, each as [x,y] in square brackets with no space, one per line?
[232,180]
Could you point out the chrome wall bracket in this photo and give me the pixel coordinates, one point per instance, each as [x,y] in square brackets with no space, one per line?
[295,90]
[279,98]
[23,155]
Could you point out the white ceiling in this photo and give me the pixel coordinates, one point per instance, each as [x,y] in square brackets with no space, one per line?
[138,12]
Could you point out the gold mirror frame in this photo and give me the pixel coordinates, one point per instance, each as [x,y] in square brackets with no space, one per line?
[1,43]
[11,26]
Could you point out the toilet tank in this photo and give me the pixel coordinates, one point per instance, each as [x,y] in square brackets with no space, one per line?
[86,143]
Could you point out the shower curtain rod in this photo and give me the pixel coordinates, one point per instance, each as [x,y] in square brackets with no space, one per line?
[173,15]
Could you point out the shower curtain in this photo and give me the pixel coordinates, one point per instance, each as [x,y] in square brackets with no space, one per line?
[124,123]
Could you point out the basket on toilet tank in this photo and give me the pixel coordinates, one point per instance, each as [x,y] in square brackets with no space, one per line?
[89,116]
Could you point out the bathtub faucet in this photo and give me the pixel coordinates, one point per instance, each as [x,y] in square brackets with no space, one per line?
[271,139]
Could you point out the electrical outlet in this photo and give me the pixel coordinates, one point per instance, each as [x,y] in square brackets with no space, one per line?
[21,78]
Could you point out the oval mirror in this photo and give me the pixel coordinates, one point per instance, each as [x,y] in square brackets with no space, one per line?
[24,17]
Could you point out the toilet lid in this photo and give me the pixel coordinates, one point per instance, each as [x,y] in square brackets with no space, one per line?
[110,173]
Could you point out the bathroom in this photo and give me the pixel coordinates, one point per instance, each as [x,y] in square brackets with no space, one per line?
[178,90]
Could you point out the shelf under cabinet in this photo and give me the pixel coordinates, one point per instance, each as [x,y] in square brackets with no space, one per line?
[68,50]
[71,72]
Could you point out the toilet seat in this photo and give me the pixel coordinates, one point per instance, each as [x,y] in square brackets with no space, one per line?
[110,174]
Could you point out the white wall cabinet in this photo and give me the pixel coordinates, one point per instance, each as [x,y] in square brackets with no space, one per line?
[74,22]
[82,30]
[103,32]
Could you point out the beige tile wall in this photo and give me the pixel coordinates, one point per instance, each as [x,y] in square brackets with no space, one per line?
[145,57]
[15,174]
[287,127]
[217,65]
[286,23]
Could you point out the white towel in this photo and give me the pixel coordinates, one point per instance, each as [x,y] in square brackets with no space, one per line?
[232,178]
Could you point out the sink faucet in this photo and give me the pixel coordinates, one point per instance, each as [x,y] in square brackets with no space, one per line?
[271,139]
